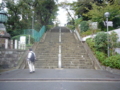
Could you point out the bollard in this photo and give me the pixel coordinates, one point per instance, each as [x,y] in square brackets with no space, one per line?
[6,43]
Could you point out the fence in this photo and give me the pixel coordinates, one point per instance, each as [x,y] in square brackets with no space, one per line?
[35,34]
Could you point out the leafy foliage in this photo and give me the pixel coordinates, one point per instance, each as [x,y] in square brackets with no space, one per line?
[97,12]
[78,21]
[71,27]
[100,56]
[113,37]
[80,7]
[22,13]
[113,61]
[101,42]
[84,26]
[45,9]
[89,32]
[91,43]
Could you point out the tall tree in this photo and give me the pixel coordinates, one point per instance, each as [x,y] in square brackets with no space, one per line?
[45,10]
[80,7]
[20,14]
[97,12]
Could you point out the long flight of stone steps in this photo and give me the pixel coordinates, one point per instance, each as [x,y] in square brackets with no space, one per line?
[73,54]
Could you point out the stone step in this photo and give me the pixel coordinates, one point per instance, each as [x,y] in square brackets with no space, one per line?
[76,62]
[73,54]
[78,67]
[51,54]
[47,57]
[75,59]
[46,64]
[47,67]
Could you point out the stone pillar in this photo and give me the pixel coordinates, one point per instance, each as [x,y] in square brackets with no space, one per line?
[24,46]
[15,47]
[6,43]
[11,44]
[19,45]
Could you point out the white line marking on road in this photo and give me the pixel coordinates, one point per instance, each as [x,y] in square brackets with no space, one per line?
[59,55]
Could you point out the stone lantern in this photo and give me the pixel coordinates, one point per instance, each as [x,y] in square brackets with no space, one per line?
[3,33]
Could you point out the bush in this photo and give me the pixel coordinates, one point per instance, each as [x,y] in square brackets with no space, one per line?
[101,42]
[113,61]
[84,26]
[91,43]
[71,27]
[100,56]
[89,32]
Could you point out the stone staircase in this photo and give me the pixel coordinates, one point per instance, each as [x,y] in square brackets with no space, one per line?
[47,51]
[73,54]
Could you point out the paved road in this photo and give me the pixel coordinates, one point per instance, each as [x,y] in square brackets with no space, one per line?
[60,86]
[55,79]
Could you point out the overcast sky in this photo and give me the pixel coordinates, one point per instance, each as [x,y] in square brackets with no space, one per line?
[62,14]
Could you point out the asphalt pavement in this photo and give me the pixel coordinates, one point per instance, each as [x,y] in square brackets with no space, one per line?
[59,79]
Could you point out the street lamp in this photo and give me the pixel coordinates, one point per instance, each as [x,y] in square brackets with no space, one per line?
[107,14]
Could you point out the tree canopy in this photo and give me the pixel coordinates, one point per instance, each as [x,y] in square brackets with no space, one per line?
[22,12]
[97,12]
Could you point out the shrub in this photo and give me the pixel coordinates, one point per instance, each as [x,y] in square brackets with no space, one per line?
[71,27]
[101,42]
[89,32]
[100,56]
[113,61]
[84,26]
[91,43]
[113,42]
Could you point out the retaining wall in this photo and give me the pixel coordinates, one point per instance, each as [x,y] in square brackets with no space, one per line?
[10,58]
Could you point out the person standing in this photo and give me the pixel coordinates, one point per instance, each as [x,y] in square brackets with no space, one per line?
[31,60]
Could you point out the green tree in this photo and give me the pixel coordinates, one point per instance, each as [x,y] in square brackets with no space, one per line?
[45,11]
[20,14]
[80,7]
[97,12]
[13,17]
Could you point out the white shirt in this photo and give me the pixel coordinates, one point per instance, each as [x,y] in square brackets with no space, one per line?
[30,54]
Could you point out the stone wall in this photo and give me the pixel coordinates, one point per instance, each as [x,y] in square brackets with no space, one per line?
[10,58]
